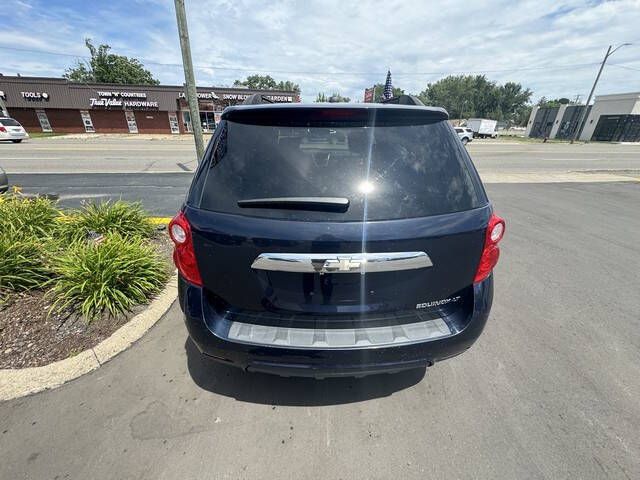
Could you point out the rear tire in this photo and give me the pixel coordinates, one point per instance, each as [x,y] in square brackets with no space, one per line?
[16,141]
[465,141]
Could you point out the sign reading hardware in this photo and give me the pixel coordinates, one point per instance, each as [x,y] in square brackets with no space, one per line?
[127,100]
[35,96]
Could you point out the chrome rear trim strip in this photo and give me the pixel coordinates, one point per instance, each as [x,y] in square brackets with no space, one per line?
[328,338]
[341,262]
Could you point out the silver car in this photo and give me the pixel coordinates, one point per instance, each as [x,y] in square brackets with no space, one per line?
[464,134]
[11,129]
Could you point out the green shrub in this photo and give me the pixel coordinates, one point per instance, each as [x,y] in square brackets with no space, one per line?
[23,261]
[122,218]
[113,276]
[27,217]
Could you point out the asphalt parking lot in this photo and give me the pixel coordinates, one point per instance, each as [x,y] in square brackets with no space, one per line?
[550,391]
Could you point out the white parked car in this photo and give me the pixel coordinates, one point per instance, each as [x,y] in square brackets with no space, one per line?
[464,134]
[11,129]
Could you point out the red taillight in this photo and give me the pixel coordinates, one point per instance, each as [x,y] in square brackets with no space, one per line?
[2,129]
[183,254]
[491,251]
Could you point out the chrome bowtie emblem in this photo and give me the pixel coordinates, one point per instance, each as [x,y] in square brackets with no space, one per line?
[342,264]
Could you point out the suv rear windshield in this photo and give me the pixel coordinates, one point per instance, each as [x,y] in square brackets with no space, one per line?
[9,122]
[386,172]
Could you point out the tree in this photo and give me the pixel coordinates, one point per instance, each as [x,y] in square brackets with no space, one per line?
[379,89]
[465,96]
[514,103]
[543,102]
[105,67]
[334,98]
[522,116]
[266,82]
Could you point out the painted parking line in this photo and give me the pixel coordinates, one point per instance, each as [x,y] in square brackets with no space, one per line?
[160,220]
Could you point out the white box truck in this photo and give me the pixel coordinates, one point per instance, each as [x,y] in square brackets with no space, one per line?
[483,127]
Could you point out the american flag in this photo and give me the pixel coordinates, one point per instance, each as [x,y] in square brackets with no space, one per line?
[388,87]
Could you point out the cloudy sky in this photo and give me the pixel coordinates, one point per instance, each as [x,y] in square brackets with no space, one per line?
[550,46]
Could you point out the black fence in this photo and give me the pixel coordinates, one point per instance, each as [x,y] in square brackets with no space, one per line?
[617,128]
[543,122]
[570,120]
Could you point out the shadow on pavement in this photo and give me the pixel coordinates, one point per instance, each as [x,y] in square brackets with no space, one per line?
[273,390]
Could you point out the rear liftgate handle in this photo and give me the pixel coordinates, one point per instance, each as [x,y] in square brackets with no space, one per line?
[341,263]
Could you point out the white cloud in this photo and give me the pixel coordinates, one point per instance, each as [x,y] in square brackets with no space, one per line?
[321,40]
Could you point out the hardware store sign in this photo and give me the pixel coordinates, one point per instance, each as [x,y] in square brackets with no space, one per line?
[125,100]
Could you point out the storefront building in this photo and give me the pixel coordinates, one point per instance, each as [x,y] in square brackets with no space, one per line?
[611,118]
[57,105]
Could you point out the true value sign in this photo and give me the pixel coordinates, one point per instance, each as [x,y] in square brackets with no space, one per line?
[126,100]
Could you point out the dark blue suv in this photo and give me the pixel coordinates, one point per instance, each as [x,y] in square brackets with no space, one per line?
[335,240]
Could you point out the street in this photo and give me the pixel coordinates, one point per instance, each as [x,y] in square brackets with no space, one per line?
[549,391]
[127,154]
[157,171]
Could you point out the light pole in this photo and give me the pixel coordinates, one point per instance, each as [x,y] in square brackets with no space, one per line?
[580,124]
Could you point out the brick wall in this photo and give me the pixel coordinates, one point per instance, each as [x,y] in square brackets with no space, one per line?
[27,118]
[152,122]
[64,120]
[108,121]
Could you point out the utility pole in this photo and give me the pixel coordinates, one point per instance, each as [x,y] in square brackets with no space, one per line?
[3,109]
[189,78]
[580,124]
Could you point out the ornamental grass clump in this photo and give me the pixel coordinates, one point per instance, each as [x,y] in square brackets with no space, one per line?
[24,261]
[122,218]
[28,217]
[111,276]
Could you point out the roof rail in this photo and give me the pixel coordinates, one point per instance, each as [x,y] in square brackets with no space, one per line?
[404,100]
[256,99]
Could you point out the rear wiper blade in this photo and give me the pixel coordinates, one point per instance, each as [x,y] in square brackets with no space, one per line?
[324,204]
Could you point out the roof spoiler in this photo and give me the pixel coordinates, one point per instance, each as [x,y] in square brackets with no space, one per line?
[256,99]
[404,100]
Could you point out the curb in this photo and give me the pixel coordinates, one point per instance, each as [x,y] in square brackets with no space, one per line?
[160,220]
[15,383]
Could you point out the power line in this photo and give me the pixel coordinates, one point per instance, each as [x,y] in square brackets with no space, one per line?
[324,73]
[625,66]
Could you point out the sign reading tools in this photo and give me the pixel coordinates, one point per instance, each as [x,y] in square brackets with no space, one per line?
[125,100]
[35,96]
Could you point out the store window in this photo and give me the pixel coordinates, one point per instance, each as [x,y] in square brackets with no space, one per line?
[208,121]
[44,121]
[186,121]
[86,121]
[173,122]
[131,121]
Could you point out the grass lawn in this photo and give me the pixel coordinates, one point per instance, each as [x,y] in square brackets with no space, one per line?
[45,134]
[523,139]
